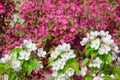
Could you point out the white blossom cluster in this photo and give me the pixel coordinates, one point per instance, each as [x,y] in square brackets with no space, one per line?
[96,63]
[65,54]
[23,55]
[83,71]
[101,41]
[15,64]
[100,76]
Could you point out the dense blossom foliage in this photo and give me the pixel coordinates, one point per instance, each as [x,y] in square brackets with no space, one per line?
[28,27]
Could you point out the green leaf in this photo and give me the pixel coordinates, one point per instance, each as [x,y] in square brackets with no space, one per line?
[87,46]
[6,66]
[107,78]
[20,75]
[1,65]
[52,79]
[109,58]
[94,69]
[2,70]
[17,50]
[85,61]
[88,51]
[94,53]
[71,62]
[88,78]
[30,65]
[34,63]
[107,69]
[12,76]
[50,60]
[27,67]
[102,57]
[74,65]
[117,73]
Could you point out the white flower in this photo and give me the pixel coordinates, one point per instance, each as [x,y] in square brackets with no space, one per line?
[83,71]
[61,77]
[24,55]
[95,43]
[107,40]
[5,59]
[115,48]
[97,62]
[93,34]
[40,65]
[102,75]
[84,41]
[41,53]
[63,47]
[112,76]
[114,56]
[70,72]
[16,65]
[31,46]
[55,66]
[55,74]
[97,78]
[65,56]
[54,54]
[103,33]
[6,76]
[71,54]
[61,63]
[104,49]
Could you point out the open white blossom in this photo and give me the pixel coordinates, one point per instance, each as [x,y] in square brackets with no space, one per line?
[95,43]
[54,54]
[83,71]
[84,41]
[28,44]
[61,63]
[70,72]
[97,78]
[103,33]
[63,47]
[71,54]
[65,56]
[96,63]
[16,65]
[55,73]
[24,55]
[107,40]
[104,49]
[41,53]
[61,77]
[93,34]
[55,66]
[5,59]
